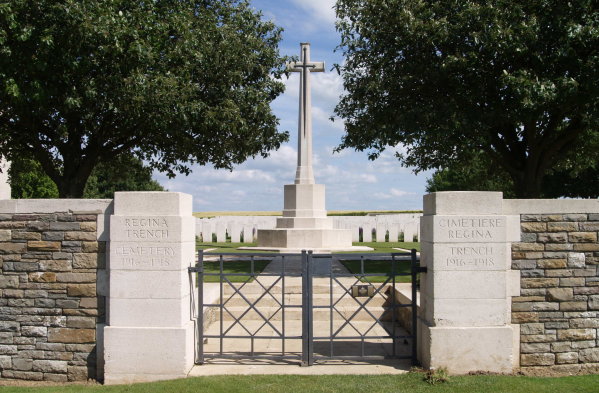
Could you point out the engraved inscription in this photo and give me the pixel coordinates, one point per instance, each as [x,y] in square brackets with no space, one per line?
[475,256]
[146,228]
[470,228]
[145,256]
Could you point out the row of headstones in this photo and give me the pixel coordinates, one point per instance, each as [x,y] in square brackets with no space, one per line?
[383,229]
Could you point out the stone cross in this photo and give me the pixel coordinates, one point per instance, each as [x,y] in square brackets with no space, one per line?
[304,173]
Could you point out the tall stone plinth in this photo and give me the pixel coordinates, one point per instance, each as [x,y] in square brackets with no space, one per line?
[465,299]
[150,333]
[305,224]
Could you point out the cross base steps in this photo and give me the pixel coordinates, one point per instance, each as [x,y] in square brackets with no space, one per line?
[304,238]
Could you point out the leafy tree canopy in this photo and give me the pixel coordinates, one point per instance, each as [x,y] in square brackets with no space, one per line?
[28,180]
[176,82]
[125,173]
[480,174]
[517,80]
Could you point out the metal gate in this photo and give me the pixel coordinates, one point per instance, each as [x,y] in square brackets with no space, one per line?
[306,307]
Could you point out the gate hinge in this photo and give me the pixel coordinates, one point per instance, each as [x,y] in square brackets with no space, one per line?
[421,269]
[194,269]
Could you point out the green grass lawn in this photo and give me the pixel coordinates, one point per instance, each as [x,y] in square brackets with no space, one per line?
[243,265]
[388,246]
[225,247]
[406,383]
[378,247]
[402,269]
[235,267]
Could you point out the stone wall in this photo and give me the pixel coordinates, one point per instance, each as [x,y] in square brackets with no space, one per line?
[558,309]
[49,307]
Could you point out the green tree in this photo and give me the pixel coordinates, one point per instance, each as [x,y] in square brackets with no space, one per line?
[571,178]
[28,180]
[473,175]
[176,82]
[126,173]
[517,80]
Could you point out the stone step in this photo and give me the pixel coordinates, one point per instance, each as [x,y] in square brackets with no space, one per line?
[293,328]
[295,314]
[254,288]
[296,299]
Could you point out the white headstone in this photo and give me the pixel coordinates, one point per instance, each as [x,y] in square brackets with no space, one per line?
[381,232]
[235,232]
[408,232]
[221,232]
[367,233]
[393,232]
[248,233]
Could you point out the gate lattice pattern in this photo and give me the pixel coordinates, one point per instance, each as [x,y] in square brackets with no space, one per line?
[306,307]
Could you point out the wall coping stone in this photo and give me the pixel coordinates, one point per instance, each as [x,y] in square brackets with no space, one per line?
[76,206]
[550,206]
[103,208]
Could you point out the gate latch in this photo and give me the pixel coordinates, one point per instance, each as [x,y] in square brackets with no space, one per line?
[362,291]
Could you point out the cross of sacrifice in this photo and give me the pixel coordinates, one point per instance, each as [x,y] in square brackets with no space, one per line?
[304,174]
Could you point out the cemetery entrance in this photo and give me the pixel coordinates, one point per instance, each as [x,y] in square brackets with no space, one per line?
[306,307]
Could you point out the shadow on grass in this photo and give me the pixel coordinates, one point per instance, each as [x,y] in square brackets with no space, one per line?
[243,267]
[384,268]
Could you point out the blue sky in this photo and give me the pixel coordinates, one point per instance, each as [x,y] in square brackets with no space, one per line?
[352,181]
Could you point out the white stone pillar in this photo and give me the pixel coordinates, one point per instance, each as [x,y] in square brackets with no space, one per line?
[464,320]
[4,184]
[150,334]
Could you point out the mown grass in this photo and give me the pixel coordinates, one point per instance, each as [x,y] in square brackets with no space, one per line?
[402,270]
[385,267]
[233,267]
[226,247]
[378,247]
[238,266]
[388,246]
[242,265]
[405,383]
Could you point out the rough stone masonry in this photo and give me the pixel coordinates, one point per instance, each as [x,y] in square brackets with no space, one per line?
[558,310]
[48,303]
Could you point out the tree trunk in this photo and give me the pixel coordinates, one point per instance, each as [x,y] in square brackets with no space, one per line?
[528,184]
[74,178]
[71,187]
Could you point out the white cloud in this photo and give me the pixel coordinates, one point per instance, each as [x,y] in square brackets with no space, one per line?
[367,178]
[327,87]
[393,193]
[399,193]
[319,9]
[237,175]
[200,201]
[321,121]
[381,195]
